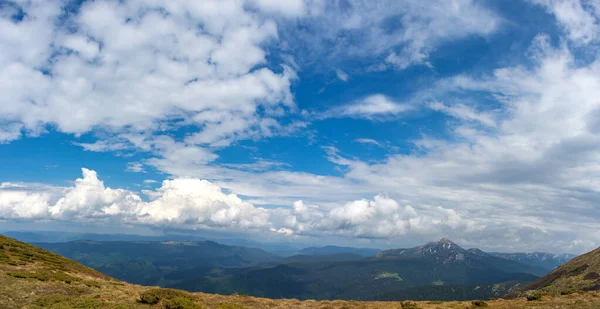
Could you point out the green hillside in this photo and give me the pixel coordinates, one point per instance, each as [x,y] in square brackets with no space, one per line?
[581,273]
[154,262]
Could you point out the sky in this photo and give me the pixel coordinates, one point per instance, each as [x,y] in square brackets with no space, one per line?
[353,122]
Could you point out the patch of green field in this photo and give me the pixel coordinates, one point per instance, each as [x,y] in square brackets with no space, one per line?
[388,275]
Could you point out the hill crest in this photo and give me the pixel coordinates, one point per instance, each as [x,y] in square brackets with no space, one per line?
[580,273]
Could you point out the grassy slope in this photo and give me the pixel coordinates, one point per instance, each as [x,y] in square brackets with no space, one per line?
[581,273]
[34,278]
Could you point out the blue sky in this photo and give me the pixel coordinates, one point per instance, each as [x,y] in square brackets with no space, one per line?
[382,123]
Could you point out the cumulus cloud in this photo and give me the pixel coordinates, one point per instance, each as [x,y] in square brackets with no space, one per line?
[381,217]
[180,203]
[199,204]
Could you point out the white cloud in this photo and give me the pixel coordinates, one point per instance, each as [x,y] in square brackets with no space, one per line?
[376,107]
[23,205]
[405,32]
[10,132]
[289,8]
[367,141]
[181,203]
[199,204]
[579,18]
[341,75]
[464,112]
[137,65]
[381,217]
[135,167]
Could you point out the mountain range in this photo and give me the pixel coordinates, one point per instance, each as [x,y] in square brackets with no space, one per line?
[349,273]
[31,277]
[150,262]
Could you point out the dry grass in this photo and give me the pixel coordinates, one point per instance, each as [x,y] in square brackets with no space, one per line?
[70,285]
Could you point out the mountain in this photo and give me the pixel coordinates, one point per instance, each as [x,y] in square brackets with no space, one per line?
[444,251]
[31,277]
[149,262]
[437,263]
[278,248]
[580,273]
[547,261]
[329,250]
[340,257]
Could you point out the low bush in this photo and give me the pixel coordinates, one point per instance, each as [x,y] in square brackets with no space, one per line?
[567,292]
[153,296]
[44,275]
[57,301]
[4,257]
[91,283]
[409,305]
[479,303]
[535,296]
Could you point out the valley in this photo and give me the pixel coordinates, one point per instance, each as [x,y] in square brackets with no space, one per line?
[439,270]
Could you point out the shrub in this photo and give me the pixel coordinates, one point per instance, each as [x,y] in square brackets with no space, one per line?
[567,292]
[148,298]
[536,296]
[56,301]
[153,296]
[479,303]
[4,257]
[91,283]
[44,275]
[409,305]
[179,302]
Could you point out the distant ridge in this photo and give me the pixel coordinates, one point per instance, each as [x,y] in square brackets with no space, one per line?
[329,250]
[545,260]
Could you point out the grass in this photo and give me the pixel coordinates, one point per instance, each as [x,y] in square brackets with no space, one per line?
[34,284]
[387,275]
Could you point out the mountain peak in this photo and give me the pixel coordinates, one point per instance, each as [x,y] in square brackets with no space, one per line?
[445,240]
[442,245]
